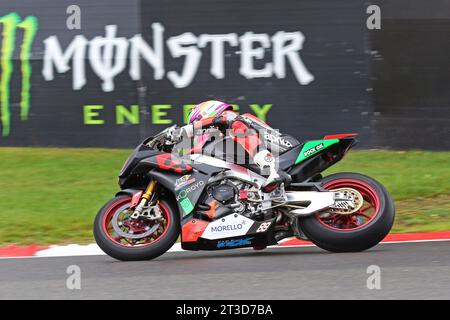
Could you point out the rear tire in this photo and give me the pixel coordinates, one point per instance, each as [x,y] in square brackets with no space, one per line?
[130,253]
[358,238]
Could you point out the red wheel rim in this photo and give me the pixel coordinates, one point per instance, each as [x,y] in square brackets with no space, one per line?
[361,218]
[109,231]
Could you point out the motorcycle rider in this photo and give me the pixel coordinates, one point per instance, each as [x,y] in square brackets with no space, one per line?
[244,129]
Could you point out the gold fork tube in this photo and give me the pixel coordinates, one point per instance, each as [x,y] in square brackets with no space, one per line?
[145,198]
[150,188]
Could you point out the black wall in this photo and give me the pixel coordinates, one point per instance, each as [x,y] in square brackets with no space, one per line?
[411,75]
[390,85]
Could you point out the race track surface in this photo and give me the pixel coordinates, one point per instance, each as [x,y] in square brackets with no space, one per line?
[408,271]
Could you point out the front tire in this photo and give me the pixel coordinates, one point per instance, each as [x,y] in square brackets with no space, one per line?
[357,232]
[125,249]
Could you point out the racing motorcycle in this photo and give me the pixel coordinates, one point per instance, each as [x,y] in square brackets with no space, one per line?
[212,203]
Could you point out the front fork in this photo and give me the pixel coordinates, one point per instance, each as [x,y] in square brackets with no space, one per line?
[149,192]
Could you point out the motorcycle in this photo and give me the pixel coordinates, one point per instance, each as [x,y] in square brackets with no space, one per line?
[213,203]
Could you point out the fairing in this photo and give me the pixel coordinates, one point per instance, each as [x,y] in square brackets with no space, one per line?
[203,228]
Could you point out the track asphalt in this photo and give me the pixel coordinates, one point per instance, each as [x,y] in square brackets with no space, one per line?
[408,271]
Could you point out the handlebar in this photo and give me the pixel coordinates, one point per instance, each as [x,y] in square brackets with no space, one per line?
[160,141]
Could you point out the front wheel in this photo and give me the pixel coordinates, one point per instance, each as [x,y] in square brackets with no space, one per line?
[126,239]
[352,230]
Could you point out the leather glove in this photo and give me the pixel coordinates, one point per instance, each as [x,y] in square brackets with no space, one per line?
[174,134]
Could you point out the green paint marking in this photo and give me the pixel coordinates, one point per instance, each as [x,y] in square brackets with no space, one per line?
[30,27]
[10,23]
[312,147]
[187,206]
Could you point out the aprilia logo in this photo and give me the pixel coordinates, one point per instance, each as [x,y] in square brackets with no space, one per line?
[274,139]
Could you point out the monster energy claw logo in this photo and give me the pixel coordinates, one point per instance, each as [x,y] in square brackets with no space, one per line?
[10,23]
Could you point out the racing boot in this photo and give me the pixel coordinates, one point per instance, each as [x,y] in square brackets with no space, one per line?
[266,162]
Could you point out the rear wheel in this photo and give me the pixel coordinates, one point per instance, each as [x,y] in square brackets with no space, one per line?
[140,239]
[352,230]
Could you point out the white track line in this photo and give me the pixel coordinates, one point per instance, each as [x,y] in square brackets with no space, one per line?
[75,250]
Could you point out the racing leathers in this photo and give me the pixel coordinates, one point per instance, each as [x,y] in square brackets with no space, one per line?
[245,130]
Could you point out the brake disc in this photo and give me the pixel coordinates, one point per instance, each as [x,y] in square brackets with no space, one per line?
[347,201]
[129,235]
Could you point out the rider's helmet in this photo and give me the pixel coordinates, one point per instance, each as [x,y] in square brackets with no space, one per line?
[208,109]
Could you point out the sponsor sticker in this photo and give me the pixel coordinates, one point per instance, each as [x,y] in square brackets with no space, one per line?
[183,181]
[313,150]
[187,206]
[235,243]
[312,147]
[233,225]
[184,192]
[228,227]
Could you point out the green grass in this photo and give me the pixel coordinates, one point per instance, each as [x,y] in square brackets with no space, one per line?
[51,196]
